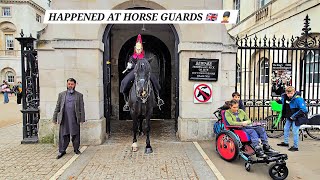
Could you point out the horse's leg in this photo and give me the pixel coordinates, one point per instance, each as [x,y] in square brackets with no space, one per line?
[135,129]
[140,127]
[148,147]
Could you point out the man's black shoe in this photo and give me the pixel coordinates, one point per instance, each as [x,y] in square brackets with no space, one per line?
[283,144]
[60,155]
[293,149]
[77,151]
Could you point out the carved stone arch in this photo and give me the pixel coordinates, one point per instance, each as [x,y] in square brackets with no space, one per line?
[7,26]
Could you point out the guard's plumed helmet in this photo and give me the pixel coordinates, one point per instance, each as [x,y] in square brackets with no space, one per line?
[138,48]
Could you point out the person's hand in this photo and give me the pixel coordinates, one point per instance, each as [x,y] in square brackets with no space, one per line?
[244,123]
[277,99]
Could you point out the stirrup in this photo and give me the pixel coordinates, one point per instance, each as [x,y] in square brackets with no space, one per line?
[160,102]
[126,107]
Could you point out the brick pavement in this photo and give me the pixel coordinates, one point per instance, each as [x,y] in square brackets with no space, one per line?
[113,160]
[171,159]
[26,161]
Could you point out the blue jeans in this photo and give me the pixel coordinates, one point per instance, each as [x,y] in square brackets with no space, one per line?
[255,133]
[6,97]
[295,131]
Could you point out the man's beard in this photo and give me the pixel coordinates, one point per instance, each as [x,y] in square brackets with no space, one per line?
[70,90]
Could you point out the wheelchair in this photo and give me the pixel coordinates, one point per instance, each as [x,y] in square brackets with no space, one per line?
[232,142]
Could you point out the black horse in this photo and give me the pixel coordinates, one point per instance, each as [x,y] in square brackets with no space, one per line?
[141,102]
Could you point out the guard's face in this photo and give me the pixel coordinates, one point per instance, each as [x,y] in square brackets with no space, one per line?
[290,94]
[71,85]
[234,108]
[225,18]
[138,48]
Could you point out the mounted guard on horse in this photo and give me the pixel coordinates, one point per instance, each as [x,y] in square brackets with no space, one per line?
[126,82]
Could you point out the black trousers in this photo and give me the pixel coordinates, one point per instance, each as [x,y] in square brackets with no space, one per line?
[65,139]
[125,83]
[19,97]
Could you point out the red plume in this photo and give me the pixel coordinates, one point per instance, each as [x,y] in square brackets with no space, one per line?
[141,55]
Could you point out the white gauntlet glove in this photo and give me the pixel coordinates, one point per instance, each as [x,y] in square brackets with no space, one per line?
[129,65]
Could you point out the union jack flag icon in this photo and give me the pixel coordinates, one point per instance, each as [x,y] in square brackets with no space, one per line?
[212,16]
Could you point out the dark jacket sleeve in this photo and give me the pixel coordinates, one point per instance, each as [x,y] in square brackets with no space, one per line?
[133,61]
[57,109]
[82,112]
[241,106]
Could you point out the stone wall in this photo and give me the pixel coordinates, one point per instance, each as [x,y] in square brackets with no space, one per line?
[196,120]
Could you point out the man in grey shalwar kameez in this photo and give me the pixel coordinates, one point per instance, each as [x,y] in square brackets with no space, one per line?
[69,113]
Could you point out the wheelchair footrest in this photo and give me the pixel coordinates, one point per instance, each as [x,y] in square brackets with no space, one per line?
[276,157]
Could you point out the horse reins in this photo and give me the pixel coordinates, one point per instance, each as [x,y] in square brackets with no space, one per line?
[144,99]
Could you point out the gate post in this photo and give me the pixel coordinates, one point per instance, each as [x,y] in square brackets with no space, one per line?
[30,89]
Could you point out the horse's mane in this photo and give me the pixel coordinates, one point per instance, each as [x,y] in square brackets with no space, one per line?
[143,63]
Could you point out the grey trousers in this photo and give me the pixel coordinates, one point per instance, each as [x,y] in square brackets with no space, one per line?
[65,139]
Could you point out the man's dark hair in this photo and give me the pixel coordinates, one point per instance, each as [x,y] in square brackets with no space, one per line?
[235,94]
[72,80]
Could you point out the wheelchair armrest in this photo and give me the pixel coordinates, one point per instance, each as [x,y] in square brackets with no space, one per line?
[234,127]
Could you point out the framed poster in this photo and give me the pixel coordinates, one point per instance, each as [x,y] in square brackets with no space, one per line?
[281,78]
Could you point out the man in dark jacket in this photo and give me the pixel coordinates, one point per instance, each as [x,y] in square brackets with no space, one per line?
[69,114]
[293,107]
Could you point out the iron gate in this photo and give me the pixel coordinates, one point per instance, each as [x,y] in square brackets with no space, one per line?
[266,66]
[30,89]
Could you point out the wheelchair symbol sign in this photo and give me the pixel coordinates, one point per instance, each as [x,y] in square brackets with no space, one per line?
[202,93]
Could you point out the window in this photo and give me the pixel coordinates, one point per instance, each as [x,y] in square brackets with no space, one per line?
[262,3]
[10,77]
[6,11]
[236,6]
[38,18]
[264,70]
[9,42]
[238,73]
[312,67]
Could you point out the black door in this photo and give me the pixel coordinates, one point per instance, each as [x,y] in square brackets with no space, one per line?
[161,68]
[107,80]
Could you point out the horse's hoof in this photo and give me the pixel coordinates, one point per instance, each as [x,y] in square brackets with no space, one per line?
[134,147]
[148,150]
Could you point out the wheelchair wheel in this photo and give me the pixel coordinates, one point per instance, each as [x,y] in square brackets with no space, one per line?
[313,133]
[278,171]
[227,146]
[274,132]
[247,166]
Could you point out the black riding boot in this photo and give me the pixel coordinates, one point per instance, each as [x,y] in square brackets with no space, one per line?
[126,105]
[259,152]
[268,150]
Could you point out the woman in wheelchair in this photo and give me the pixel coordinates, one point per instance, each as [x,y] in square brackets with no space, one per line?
[237,117]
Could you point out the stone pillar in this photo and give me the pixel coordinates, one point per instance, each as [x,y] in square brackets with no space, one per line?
[82,60]
[196,121]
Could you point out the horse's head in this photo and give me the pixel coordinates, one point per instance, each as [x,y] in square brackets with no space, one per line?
[142,73]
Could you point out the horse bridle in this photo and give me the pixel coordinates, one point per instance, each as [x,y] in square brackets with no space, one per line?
[143,99]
